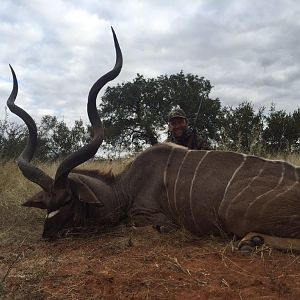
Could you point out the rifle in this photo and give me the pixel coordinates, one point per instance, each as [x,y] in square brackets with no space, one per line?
[194,142]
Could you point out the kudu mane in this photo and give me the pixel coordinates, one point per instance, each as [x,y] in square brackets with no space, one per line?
[108,176]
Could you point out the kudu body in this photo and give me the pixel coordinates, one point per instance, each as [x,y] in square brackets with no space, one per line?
[169,186]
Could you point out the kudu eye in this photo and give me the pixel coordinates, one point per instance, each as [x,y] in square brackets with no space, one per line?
[61,197]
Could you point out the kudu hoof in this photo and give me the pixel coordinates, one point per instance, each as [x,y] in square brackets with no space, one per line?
[164,229]
[161,229]
[248,246]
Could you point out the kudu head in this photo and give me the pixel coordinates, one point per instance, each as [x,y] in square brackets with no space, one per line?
[60,195]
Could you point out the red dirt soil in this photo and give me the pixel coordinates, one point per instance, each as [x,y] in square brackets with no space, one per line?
[140,263]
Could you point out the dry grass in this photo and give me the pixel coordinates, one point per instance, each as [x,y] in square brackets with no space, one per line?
[292,158]
[13,190]
[123,264]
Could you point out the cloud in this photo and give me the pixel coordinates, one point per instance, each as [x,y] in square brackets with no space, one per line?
[247,49]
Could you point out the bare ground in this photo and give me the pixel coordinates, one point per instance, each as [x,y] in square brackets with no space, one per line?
[139,263]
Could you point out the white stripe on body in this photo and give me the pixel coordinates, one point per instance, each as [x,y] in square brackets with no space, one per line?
[268,202]
[177,177]
[291,186]
[230,181]
[165,176]
[234,200]
[264,194]
[192,184]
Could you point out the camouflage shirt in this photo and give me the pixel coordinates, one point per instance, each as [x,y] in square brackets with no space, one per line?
[191,140]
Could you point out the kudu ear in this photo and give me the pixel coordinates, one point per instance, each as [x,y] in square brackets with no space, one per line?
[86,194]
[39,200]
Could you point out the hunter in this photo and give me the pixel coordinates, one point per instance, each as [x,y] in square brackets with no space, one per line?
[180,133]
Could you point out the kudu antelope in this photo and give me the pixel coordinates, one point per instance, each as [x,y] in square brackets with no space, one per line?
[168,186]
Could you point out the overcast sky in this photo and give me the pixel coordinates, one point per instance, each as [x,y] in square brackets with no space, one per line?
[248,49]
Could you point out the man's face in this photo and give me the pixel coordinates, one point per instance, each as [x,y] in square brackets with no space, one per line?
[178,126]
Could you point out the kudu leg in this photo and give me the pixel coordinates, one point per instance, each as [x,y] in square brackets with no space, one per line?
[254,239]
[159,221]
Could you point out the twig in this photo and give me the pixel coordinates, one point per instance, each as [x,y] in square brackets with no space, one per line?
[12,265]
[175,261]
[186,271]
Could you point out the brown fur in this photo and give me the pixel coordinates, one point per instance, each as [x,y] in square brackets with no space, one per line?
[107,177]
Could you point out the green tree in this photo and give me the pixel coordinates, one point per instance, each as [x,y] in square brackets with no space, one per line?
[57,140]
[281,133]
[135,113]
[131,113]
[296,119]
[12,140]
[242,128]
[185,91]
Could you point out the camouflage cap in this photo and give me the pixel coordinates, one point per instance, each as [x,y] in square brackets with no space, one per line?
[176,113]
